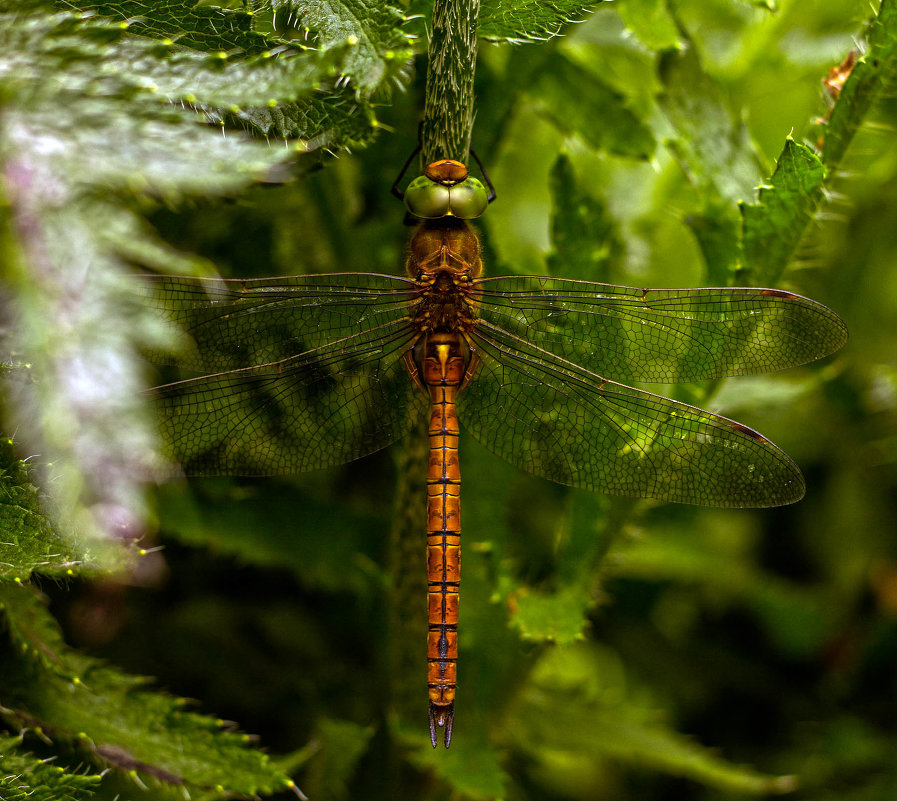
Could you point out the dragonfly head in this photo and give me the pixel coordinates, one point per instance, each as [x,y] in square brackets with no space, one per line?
[446,189]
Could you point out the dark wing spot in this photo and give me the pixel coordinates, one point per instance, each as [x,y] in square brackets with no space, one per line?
[749,431]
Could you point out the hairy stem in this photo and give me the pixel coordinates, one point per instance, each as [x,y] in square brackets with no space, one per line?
[449,98]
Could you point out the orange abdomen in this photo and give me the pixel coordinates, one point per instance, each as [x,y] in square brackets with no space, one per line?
[442,374]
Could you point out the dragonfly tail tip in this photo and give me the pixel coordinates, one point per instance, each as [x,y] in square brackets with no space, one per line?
[441,716]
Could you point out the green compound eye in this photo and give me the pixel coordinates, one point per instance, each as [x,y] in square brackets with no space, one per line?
[426,199]
[468,199]
[430,200]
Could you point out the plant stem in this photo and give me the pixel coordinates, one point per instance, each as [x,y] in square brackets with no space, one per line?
[451,65]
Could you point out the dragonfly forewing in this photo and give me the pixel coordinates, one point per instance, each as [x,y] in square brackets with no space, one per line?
[662,335]
[232,324]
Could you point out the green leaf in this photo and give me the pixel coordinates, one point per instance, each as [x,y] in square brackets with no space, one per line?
[585,239]
[29,539]
[339,745]
[651,22]
[714,151]
[471,767]
[24,777]
[253,531]
[205,80]
[112,717]
[579,704]
[380,49]
[581,104]
[333,121]
[712,146]
[718,559]
[62,267]
[873,73]
[528,20]
[190,24]
[257,83]
[774,226]
[556,617]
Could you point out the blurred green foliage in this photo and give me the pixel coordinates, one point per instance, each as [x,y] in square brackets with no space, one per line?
[610,648]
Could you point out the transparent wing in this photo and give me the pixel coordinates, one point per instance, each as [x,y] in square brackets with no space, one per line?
[312,371]
[236,323]
[662,335]
[569,425]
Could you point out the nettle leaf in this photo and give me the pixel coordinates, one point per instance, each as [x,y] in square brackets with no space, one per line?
[177,74]
[579,703]
[29,540]
[112,718]
[471,767]
[332,121]
[651,22]
[715,152]
[584,237]
[724,566]
[252,531]
[556,617]
[24,777]
[66,177]
[380,48]
[339,745]
[269,84]
[873,73]
[201,27]
[774,226]
[519,21]
[528,20]
[581,104]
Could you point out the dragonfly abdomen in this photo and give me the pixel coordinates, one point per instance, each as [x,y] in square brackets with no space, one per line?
[442,371]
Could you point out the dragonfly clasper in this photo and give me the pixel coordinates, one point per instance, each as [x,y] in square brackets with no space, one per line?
[307,372]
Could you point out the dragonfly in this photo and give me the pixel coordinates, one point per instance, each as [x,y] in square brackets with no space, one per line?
[306,372]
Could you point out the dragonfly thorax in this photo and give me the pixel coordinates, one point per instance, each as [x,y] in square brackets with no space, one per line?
[444,260]
[444,244]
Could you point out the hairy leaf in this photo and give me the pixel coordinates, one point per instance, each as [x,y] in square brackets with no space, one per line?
[62,268]
[215,60]
[873,73]
[190,24]
[24,777]
[774,226]
[112,717]
[520,21]
[29,539]
[529,20]
[332,121]
[380,48]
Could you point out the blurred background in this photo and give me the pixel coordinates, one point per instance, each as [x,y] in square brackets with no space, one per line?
[609,649]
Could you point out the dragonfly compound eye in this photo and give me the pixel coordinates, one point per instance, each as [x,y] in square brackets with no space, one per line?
[431,200]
